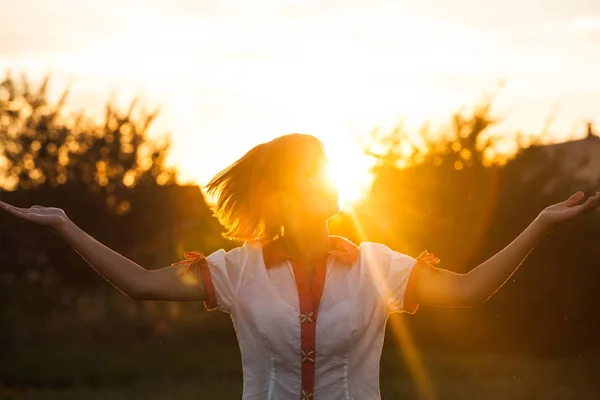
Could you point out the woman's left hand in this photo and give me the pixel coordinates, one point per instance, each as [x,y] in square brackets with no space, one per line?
[566,210]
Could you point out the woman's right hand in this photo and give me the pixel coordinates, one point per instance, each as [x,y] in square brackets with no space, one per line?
[50,217]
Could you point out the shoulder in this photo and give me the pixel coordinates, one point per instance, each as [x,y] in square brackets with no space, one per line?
[381,256]
[373,247]
[240,256]
[371,251]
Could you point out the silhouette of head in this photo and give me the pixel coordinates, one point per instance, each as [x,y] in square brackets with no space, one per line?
[273,185]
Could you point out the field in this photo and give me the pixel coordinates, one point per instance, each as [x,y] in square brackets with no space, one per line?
[174,370]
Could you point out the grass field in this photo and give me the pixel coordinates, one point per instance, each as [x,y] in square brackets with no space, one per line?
[174,370]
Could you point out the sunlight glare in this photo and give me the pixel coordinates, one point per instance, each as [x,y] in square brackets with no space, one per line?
[349,170]
[402,335]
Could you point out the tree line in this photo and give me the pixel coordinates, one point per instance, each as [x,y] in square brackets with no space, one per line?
[446,192]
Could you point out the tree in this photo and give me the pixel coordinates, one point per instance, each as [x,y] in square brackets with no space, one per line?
[112,181]
[43,145]
[432,191]
[445,193]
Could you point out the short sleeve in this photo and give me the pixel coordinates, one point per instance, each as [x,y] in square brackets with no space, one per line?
[394,276]
[222,277]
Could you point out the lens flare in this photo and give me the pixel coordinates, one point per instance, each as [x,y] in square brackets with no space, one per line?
[350,174]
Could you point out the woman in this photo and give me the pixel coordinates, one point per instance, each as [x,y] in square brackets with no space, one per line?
[309,309]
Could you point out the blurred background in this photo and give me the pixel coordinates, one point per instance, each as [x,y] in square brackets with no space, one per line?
[449,127]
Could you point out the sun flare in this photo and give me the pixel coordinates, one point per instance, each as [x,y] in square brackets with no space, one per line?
[349,171]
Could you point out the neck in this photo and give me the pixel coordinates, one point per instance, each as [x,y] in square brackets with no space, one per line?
[308,242]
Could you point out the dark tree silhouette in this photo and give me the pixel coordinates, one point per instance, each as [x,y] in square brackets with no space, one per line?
[447,193]
[43,145]
[110,179]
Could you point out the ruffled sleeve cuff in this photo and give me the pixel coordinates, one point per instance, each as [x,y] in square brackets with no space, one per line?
[199,266]
[425,260]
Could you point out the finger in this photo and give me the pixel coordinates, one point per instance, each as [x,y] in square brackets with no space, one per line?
[19,212]
[590,202]
[7,207]
[10,205]
[574,199]
[596,197]
[596,202]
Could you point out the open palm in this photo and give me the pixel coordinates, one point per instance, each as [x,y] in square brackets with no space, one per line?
[569,209]
[50,217]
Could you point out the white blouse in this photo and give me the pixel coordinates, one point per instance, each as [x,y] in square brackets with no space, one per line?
[310,343]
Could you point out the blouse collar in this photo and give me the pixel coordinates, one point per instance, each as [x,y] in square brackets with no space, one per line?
[343,249]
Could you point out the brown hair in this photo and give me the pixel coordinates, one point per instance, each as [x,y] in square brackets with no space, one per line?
[248,191]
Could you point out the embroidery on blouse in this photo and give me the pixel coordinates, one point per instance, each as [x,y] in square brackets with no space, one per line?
[273,254]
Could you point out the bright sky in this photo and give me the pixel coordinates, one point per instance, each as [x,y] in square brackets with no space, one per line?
[230,74]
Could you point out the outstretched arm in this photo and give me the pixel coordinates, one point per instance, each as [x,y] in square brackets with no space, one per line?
[140,284]
[438,287]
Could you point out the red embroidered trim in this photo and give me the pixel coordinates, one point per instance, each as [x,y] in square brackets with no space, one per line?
[196,261]
[425,260]
[273,254]
[309,309]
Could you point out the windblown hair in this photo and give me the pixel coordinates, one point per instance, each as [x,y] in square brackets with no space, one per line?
[248,192]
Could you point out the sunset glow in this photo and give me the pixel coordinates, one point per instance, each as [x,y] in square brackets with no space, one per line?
[395,84]
[228,75]
[349,171]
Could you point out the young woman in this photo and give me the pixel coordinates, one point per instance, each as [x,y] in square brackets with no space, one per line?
[309,309]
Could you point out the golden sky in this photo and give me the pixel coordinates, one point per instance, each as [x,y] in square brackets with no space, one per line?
[230,74]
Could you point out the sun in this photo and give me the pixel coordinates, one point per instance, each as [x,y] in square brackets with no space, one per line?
[349,171]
